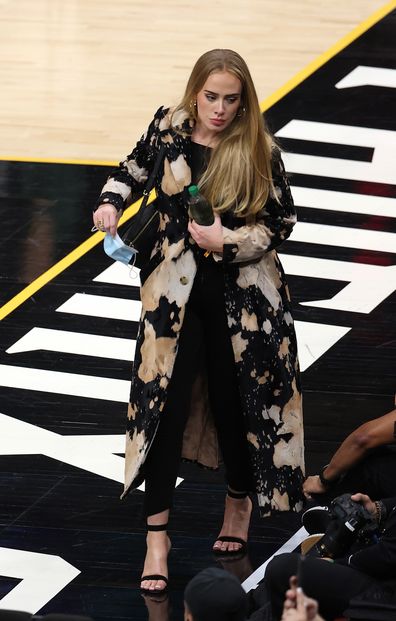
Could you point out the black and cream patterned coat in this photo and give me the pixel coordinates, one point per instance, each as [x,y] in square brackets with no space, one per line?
[259,318]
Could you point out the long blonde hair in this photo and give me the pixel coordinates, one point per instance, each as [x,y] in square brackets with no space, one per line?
[238,175]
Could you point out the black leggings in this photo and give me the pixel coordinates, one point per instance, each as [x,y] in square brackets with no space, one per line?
[205,324]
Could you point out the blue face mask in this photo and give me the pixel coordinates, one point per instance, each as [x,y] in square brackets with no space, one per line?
[115,248]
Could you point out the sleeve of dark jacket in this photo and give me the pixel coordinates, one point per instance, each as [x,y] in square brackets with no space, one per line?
[126,183]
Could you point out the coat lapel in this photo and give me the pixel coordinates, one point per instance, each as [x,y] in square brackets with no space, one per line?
[177,164]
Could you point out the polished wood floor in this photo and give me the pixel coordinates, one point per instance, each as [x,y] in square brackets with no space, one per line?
[79,82]
[81,79]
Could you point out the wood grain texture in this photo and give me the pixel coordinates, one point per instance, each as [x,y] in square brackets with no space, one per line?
[81,79]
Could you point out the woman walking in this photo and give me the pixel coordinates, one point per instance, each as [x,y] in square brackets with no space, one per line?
[216,369]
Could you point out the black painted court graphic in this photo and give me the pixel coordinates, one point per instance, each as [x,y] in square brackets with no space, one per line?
[66,353]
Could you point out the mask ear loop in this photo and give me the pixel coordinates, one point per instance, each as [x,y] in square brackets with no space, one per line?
[132,271]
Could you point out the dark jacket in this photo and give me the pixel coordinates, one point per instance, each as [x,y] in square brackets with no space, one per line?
[378,603]
[379,559]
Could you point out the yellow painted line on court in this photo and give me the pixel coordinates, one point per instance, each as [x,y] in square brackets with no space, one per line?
[54,160]
[64,263]
[326,56]
[96,238]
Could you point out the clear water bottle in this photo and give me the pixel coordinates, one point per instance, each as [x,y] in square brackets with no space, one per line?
[198,207]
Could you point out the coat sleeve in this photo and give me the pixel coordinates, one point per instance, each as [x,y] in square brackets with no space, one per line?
[126,182]
[273,223]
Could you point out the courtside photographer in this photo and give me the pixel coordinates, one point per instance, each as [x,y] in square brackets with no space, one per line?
[342,566]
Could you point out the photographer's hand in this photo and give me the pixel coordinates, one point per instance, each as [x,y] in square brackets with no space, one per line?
[313,485]
[366,501]
[299,607]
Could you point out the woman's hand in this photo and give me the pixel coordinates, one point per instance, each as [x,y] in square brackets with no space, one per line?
[106,218]
[208,237]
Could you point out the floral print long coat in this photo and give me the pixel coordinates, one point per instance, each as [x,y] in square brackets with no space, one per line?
[259,318]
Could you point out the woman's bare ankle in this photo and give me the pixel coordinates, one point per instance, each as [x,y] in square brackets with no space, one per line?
[158,540]
[155,570]
[156,561]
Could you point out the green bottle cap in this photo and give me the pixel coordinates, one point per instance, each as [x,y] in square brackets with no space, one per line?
[193,190]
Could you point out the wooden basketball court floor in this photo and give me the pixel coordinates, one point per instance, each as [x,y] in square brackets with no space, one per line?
[80,81]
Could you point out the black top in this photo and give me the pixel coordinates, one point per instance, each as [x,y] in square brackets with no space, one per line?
[199,160]
[200,155]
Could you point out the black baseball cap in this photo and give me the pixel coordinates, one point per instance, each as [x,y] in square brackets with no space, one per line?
[216,595]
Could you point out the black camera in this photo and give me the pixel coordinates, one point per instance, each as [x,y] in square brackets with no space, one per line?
[347,521]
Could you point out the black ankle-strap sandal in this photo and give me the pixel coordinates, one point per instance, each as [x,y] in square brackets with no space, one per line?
[229,538]
[237,495]
[155,528]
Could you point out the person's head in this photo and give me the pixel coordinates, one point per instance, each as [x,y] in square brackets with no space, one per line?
[214,595]
[220,97]
[225,71]
[218,103]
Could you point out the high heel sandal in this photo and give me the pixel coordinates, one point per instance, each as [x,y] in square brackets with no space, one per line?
[230,538]
[155,528]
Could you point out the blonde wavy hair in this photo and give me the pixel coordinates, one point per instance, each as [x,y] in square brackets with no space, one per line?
[238,176]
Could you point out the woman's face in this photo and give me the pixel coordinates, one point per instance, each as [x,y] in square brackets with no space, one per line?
[218,102]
